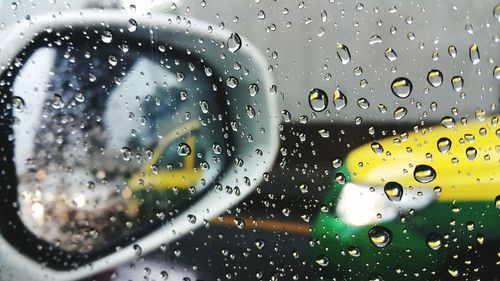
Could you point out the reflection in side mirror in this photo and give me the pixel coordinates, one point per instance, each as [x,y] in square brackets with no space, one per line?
[102,157]
[119,141]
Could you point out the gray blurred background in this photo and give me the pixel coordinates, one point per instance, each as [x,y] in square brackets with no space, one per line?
[299,39]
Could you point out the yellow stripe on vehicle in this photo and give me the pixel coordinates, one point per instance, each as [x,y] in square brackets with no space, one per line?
[182,178]
[462,178]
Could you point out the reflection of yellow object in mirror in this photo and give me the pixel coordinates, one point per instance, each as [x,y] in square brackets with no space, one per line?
[182,178]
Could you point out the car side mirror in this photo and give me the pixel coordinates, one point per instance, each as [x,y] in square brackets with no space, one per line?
[121,133]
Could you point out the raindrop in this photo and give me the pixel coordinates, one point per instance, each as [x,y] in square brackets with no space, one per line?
[217,148]
[434,241]
[183,149]
[322,260]
[79,97]
[126,154]
[424,173]
[380,236]
[259,243]
[474,53]
[353,251]
[343,53]
[18,104]
[318,100]
[164,275]
[239,223]
[286,116]
[382,108]
[57,102]
[448,122]
[250,111]
[377,148]
[375,39]
[324,133]
[444,145]
[496,72]
[232,82]
[400,112]
[452,50]
[112,60]
[106,36]
[324,16]
[132,25]
[363,103]
[137,250]
[303,187]
[340,178]
[253,89]
[401,87]
[261,15]
[394,191]
[234,43]
[496,12]
[435,78]
[339,99]
[357,70]
[457,82]
[192,218]
[471,153]
[497,202]
[453,271]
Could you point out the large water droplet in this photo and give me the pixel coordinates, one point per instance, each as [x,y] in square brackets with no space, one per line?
[363,103]
[164,275]
[435,78]
[339,99]
[239,223]
[390,54]
[453,271]
[434,241]
[126,153]
[400,112]
[424,173]
[377,148]
[18,104]
[444,145]
[496,72]
[132,25]
[394,191]
[232,82]
[448,122]
[496,12]
[380,236]
[318,100]
[471,153]
[452,50]
[259,243]
[183,149]
[106,36]
[401,87]
[253,89]
[192,218]
[343,53]
[457,82]
[234,43]
[375,39]
[474,54]
[353,251]
[322,260]
[137,250]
